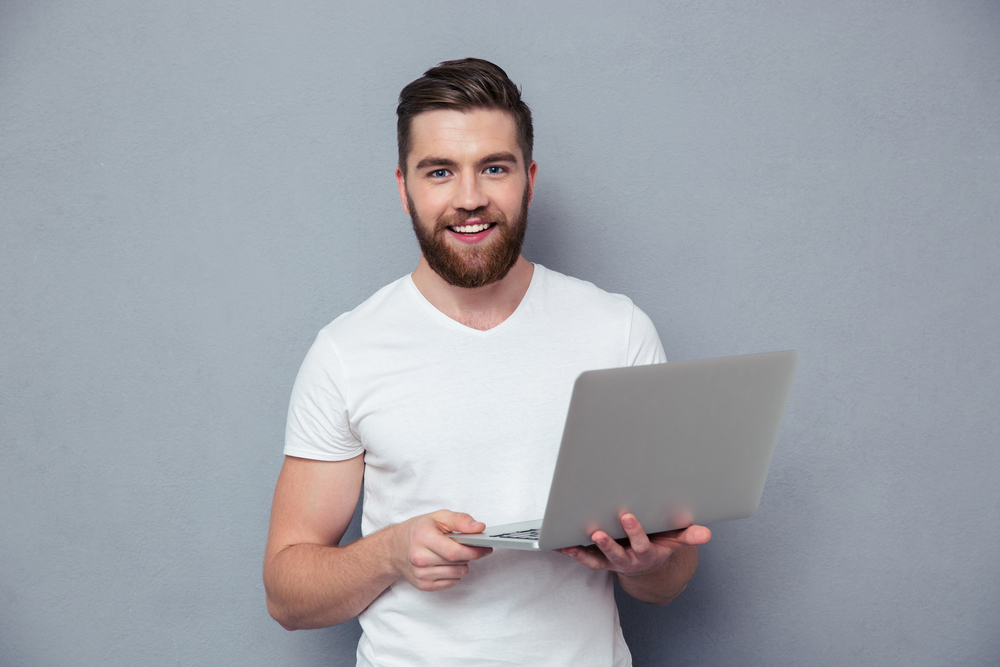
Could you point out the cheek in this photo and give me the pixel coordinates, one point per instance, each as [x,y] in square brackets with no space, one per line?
[517,206]
[429,204]
[507,201]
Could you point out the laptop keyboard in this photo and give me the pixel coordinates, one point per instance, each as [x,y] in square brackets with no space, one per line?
[530,534]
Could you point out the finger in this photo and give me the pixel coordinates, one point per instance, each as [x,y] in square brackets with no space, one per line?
[694,535]
[436,578]
[436,549]
[456,571]
[449,550]
[446,521]
[460,522]
[590,559]
[614,552]
[467,553]
[457,553]
[637,537]
[438,584]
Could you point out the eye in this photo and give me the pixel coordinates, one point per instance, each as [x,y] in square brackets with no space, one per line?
[439,173]
[495,170]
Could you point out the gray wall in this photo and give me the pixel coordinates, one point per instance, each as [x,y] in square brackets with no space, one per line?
[190,190]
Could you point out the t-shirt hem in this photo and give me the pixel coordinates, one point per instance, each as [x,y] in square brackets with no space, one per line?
[320,456]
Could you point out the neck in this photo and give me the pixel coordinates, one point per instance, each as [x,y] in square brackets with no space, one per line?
[479,308]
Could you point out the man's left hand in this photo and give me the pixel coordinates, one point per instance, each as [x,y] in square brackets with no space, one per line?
[644,554]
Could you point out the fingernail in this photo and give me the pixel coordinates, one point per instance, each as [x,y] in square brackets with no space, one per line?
[571,552]
[628,523]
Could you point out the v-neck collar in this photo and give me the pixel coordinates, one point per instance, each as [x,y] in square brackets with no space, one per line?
[516,315]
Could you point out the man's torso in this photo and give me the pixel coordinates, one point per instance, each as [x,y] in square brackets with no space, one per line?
[456,418]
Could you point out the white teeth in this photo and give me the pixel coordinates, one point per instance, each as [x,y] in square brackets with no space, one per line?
[470,229]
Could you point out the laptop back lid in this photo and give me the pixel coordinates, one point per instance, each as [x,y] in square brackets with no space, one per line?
[675,444]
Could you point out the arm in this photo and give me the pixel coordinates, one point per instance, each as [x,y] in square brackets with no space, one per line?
[311,582]
[653,568]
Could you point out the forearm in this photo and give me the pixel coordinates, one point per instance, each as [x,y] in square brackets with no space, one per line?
[316,586]
[665,582]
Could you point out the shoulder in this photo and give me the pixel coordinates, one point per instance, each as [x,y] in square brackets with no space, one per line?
[561,291]
[383,310]
[588,312]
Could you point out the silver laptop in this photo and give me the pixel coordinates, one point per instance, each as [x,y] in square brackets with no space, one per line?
[675,444]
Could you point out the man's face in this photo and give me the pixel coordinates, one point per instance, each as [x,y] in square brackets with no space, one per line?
[467,191]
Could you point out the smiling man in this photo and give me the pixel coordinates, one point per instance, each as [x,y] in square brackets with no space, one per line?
[448,389]
[489,242]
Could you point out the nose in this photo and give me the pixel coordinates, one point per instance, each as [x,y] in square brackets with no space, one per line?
[469,193]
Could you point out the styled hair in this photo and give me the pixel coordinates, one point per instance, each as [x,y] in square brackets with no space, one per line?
[462,85]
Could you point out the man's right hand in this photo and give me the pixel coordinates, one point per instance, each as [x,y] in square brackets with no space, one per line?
[311,582]
[427,558]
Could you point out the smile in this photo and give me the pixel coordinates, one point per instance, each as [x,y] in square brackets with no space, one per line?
[471,229]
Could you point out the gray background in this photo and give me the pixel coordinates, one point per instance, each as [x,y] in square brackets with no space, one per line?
[190,190]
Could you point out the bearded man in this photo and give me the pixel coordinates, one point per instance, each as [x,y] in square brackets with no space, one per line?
[448,388]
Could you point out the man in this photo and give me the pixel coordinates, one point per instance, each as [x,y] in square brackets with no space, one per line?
[448,389]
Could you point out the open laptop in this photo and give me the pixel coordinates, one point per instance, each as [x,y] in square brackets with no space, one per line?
[675,444]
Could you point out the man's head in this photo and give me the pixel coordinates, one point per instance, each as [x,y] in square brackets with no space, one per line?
[465,174]
[462,85]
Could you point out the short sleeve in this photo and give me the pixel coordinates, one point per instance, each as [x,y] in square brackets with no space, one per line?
[643,342]
[318,426]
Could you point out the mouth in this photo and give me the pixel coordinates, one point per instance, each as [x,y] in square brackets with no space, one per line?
[471,233]
[471,229]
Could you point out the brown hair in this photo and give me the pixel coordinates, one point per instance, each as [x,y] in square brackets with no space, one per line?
[462,85]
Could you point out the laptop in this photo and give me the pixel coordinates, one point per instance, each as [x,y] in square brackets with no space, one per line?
[676,444]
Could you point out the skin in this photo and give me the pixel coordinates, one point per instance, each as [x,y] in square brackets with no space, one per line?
[652,568]
[449,170]
[459,162]
[313,583]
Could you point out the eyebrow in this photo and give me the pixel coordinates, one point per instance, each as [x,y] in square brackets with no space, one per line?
[502,156]
[435,162]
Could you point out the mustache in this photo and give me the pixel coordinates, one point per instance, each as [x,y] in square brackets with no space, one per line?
[460,217]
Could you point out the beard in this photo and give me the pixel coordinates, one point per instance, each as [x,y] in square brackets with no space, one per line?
[473,266]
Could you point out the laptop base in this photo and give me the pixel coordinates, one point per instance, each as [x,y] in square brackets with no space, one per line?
[503,536]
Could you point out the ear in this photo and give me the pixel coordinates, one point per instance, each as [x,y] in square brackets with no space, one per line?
[401,184]
[532,172]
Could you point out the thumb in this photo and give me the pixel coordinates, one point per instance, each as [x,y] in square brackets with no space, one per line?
[694,535]
[459,521]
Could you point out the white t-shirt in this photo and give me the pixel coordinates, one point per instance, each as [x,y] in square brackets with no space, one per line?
[449,417]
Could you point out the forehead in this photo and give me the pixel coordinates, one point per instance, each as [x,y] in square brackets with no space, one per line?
[462,135]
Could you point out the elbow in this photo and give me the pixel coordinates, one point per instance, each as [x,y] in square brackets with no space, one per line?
[664,601]
[278,611]
[289,620]
[279,615]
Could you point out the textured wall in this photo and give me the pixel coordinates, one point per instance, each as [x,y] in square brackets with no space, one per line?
[190,190]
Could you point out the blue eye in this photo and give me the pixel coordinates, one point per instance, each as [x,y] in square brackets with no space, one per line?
[494,170]
[439,173]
